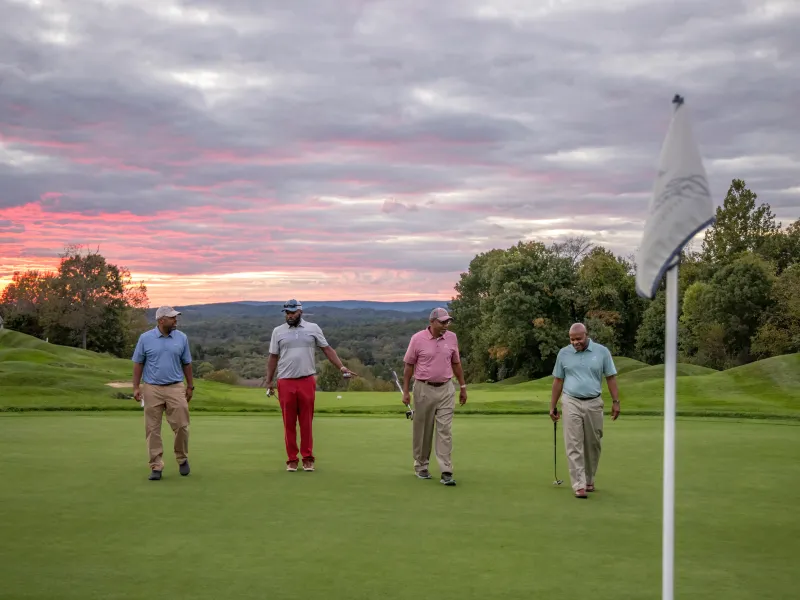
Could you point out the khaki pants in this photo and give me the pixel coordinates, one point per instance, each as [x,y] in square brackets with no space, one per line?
[583,432]
[433,406]
[157,399]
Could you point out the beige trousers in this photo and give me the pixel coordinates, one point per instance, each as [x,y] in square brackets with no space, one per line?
[433,407]
[157,400]
[583,432]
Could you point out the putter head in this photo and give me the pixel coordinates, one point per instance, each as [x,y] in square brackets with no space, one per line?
[410,414]
[558,482]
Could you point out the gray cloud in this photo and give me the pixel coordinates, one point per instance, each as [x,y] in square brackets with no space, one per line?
[376,127]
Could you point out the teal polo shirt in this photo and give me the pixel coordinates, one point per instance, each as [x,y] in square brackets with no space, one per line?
[583,372]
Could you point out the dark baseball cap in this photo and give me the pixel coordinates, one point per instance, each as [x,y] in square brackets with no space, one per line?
[292,305]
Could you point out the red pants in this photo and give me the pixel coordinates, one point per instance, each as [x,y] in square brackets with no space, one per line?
[296,397]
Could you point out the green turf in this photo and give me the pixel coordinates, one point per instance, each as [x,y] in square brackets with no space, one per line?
[35,375]
[82,522]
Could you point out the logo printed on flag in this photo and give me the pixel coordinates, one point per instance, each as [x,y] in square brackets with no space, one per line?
[680,208]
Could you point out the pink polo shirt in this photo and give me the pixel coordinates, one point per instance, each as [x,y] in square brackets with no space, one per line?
[433,357]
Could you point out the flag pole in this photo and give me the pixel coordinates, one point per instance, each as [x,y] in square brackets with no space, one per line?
[681,207]
[670,364]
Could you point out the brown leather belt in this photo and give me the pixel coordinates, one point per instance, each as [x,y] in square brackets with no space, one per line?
[433,383]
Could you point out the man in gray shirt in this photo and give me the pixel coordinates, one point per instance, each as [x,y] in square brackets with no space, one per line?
[291,351]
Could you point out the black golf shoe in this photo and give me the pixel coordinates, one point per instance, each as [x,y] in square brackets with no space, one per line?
[154,475]
[447,479]
[424,474]
[184,468]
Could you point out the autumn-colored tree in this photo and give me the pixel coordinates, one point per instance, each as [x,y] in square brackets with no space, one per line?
[87,302]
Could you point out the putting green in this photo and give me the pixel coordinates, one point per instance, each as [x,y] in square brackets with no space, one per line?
[81,520]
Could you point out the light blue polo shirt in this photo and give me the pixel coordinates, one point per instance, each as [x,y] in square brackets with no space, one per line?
[583,372]
[163,356]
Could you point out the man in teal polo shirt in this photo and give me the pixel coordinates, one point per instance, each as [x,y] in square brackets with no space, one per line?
[578,374]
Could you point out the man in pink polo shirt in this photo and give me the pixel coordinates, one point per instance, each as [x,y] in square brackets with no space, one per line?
[432,358]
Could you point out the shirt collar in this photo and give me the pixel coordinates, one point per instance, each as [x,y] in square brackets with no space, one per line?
[433,337]
[587,349]
[159,334]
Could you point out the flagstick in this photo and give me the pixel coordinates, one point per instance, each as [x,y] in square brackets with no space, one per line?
[670,356]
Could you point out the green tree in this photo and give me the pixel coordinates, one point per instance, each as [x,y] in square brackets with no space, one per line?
[610,302]
[740,226]
[780,334]
[329,378]
[506,292]
[650,341]
[782,249]
[770,340]
[359,384]
[698,314]
[743,297]
[202,368]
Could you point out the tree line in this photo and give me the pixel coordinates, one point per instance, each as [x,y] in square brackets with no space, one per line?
[739,298]
[739,301]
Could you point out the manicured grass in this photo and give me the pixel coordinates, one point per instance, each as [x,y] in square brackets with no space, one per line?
[81,521]
[35,375]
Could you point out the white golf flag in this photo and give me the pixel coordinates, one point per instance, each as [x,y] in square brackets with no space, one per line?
[681,205]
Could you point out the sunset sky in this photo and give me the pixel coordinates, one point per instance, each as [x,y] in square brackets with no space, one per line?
[367,149]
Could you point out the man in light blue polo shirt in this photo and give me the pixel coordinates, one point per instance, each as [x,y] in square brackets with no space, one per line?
[161,360]
[579,371]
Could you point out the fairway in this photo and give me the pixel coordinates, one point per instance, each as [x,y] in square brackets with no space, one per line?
[81,521]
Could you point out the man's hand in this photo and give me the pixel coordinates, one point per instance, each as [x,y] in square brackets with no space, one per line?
[271,390]
[137,394]
[189,394]
[554,414]
[406,398]
[347,373]
[614,410]
[462,396]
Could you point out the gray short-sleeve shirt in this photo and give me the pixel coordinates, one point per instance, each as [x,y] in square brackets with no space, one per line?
[295,348]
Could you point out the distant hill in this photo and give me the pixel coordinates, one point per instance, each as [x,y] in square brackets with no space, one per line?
[247,308]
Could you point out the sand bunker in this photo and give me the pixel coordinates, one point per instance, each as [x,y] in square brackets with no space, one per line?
[120,384]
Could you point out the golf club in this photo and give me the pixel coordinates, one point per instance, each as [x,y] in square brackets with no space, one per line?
[557,481]
[409,410]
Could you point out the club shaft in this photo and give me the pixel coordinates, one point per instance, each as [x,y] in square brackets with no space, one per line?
[555,452]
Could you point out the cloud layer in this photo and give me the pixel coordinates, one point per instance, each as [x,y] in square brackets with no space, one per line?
[365,148]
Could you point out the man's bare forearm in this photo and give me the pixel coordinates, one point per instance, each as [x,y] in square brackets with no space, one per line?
[558,386]
[138,369]
[612,387]
[272,364]
[187,372]
[408,371]
[458,371]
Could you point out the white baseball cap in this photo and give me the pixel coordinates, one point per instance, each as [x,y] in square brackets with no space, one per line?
[166,311]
